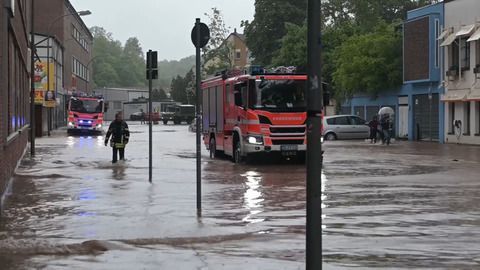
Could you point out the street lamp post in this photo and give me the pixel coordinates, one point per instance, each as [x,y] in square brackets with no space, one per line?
[80,13]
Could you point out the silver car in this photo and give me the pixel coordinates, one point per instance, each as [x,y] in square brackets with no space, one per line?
[341,127]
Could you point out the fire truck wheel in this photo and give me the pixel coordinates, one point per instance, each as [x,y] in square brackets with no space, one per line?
[213,148]
[237,153]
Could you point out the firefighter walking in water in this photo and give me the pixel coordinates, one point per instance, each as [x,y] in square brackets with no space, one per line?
[120,135]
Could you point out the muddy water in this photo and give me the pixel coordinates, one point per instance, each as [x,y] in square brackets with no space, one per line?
[406,206]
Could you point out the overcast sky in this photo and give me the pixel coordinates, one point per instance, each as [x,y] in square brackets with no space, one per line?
[162,25]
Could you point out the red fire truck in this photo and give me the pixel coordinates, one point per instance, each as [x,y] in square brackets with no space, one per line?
[254,112]
[85,114]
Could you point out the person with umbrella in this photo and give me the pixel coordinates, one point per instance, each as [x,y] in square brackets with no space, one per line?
[386,123]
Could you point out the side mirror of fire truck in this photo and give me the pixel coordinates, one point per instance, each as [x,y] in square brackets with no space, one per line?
[105,106]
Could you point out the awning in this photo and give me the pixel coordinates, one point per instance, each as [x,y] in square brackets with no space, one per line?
[474,95]
[449,40]
[466,30]
[443,34]
[455,95]
[475,36]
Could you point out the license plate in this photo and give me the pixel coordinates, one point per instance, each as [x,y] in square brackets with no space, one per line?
[289,148]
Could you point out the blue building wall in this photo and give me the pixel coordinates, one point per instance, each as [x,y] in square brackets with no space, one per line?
[411,89]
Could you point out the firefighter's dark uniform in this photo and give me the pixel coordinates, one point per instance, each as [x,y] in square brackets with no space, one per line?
[120,136]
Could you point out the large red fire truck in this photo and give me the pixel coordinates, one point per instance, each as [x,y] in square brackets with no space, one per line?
[253,112]
[85,114]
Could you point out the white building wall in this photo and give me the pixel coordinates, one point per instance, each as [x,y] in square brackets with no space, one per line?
[459,13]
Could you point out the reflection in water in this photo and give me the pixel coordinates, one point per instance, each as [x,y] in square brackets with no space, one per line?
[70,141]
[118,172]
[324,198]
[253,197]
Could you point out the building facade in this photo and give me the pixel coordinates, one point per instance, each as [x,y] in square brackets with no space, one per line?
[67,44]
[461,43]
[15,19]
[419,111]
[240,55]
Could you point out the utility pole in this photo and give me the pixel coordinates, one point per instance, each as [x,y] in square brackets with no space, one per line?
[314,145]
[33,49]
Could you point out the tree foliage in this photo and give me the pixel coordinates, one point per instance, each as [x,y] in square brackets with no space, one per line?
[182,88]
[217,54]
[115,65]
[369,63]
[278,36]
[265,32]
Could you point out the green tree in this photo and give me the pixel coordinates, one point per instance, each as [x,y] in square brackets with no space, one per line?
[217,54]
[159,94]
[264,34]
[293,51]
[179,89]
[106,55]
[369,63]
[132,64]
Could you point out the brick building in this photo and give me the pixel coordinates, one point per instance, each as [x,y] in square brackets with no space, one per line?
[15,62]
[69,49]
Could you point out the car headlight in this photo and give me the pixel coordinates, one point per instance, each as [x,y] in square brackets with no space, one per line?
[71,124]
[99,125]
[255,140]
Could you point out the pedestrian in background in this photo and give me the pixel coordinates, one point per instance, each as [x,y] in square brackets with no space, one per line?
[385,123]
[142,119]
[373,129]
[118,129]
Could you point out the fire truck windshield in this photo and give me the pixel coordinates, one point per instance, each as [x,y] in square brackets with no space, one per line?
[277,95]
[86,106]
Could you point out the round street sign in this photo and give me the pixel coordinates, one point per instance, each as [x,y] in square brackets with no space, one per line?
[204,35]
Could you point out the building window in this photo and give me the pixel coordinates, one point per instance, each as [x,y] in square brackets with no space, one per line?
[465,53]
[466,118]
[79,37]
[477,52]
[454,55]
[451,118]
[477,116]
[79,69]
[437,43]
[238,54]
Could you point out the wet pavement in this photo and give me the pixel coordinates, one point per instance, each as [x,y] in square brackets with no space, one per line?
[410,205]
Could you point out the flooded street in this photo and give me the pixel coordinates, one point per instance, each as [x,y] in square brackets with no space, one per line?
[411,205]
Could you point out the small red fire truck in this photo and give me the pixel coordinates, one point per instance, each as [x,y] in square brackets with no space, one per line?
[85,114]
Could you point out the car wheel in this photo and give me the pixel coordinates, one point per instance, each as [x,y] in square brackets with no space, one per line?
[237,153]
[330,137]
[213,148]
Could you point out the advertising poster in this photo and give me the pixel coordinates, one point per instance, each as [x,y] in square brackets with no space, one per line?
[42,96]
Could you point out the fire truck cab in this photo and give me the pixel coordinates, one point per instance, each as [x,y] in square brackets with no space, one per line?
[85,114]
[254,112]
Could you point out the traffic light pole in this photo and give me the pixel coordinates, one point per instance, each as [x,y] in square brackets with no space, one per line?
[314,145]
[150,116]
